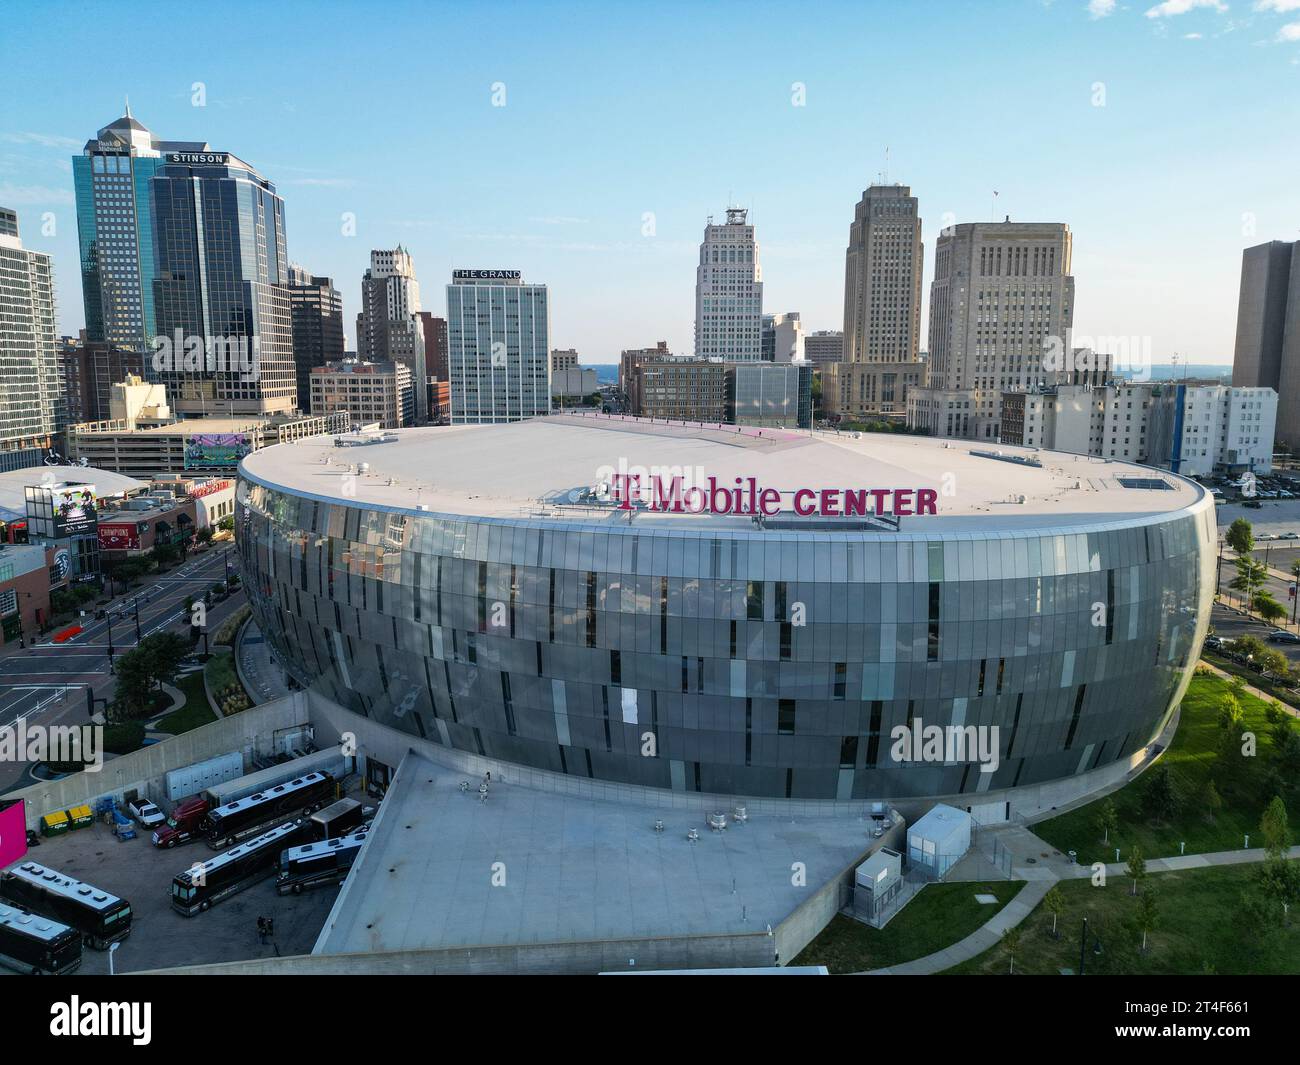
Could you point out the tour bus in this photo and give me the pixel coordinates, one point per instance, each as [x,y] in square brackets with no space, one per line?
[100,917]
[314,864]
[247,816]
[202,886]
[37,945]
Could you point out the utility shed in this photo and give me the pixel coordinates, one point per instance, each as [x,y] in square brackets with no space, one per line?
[875,883]
[938,840]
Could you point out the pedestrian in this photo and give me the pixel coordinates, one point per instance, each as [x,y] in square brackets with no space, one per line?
[261,929]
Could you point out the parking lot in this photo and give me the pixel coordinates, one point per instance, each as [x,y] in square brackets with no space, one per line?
[160,937]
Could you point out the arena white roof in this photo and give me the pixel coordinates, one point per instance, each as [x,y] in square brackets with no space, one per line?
[13,484]
[529,470]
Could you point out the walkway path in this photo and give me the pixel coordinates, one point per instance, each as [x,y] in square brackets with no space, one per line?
[261,675]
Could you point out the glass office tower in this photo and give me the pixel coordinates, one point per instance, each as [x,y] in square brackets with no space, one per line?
[222,286]
[498,347]
[115,230]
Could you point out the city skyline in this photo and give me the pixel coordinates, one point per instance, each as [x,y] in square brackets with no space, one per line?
[604,201]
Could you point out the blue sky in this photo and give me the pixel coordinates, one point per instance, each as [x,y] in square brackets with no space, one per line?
[614,111]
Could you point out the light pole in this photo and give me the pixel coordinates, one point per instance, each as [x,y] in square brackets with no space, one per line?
[1083,946]
[109,617]
[112,949]
[137,621]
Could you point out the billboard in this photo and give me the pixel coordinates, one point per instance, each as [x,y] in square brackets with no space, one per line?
[119,536]
[74,509]
[13,832]
[207,451]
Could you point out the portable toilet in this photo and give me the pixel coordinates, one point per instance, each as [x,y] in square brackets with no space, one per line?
[938,840]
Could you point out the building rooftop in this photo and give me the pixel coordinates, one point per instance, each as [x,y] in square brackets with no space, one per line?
[545,469]
[574,868]
[14,483]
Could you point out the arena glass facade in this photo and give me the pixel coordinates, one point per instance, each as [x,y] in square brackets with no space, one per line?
[662,658]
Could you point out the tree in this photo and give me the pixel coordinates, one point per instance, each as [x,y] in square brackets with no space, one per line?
[1273,662]
[1274,828]
[1286,751]
[1147,914]
[1278,881]
[1054,902]
[227,524]
[1267,607]
[1160,799]
[1137,867]
[1107,819]
[1247,648]
[1250,578]
[1011,940]
[1240,537]
[1213,802]
[1229,713]
[205,535]
[1274,714]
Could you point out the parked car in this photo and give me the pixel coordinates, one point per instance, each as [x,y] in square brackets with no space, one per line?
[146,813]
[1252,504]
[1282,636]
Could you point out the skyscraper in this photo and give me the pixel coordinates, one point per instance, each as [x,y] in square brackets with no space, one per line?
[783,338]
[498,347]
[221,298]
[31,400]
[729,292]
[389,327]
[883,262]
[317,313]
[1267,351]
[882,277]
[1001,302]
[115,230]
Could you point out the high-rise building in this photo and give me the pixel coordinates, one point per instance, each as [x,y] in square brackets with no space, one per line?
[370,393]
[729,292]
[89,369]
[1267,352]
[390,327]
[1001,313]
[628,361]
[31,396]
[783,339]
[435,345]
[824,346]
[882,277]
[317,313]
[498,347]
[115,228]
[221,298]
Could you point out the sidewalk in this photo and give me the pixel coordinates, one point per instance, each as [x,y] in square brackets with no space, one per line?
[984,937]
[1250,688]
[260,674]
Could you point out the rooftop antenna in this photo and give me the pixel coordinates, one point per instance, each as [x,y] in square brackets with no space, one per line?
[993,206]
[128,107]
[886,172]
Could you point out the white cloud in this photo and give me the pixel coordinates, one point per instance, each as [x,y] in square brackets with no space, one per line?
[1290,32]
[45,140]
[29,195]
[1281,7]
[1180,7]
[1100,8]
[1191,36]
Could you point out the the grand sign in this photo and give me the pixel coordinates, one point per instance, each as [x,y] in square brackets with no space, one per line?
[486,275]
[675,494]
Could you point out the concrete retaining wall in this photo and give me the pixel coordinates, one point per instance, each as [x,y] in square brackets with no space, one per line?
[144,771]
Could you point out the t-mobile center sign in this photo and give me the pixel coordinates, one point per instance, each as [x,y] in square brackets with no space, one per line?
[675,494]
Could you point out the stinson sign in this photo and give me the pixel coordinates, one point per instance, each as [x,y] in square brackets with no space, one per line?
[744,496]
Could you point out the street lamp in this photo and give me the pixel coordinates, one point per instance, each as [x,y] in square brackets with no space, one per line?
[109,616]
[137,620]
[112,949]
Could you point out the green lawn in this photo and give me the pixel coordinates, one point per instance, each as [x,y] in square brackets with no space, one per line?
[1193,762]
[196,710]
[940,915]
[221,670]
[1198,930]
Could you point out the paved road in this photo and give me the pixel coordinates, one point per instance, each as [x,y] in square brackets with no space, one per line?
[46,683]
